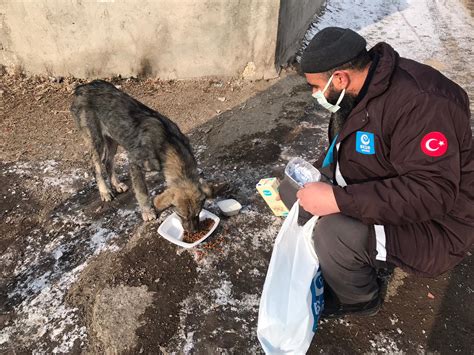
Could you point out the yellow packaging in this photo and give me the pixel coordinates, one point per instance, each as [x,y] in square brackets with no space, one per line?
[268,188]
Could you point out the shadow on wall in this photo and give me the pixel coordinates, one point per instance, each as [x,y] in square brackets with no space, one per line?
[146,68]
[293,22]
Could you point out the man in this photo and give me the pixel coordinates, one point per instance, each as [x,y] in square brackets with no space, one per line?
[401,163]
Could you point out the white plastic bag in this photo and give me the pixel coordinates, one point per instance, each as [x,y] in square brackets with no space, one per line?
[292,297]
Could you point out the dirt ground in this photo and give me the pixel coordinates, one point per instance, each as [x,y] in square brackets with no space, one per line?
[79,275]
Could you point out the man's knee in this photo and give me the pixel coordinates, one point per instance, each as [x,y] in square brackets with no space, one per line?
[337,231]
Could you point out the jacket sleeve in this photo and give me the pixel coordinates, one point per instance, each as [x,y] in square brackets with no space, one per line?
[426,186]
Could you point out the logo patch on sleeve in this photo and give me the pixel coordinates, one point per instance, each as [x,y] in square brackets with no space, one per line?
[365,143]
[434,144]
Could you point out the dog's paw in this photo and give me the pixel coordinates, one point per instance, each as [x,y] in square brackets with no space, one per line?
[120,187]
[148,215]
[106,196]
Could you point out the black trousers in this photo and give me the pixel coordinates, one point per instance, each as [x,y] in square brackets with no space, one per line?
[346,249]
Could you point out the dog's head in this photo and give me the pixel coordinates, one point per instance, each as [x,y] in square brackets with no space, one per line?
[187,200]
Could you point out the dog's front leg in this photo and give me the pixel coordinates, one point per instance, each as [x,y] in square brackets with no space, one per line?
[141,192]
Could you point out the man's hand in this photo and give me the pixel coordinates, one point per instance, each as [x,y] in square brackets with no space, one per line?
[318,199]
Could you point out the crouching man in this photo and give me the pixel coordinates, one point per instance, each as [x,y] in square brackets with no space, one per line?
[401,163]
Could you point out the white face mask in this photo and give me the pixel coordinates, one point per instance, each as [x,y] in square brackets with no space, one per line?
[319,95]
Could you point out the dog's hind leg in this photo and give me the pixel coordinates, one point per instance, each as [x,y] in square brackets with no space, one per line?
[110,151]
[95,142]
[141,192]
[164,200]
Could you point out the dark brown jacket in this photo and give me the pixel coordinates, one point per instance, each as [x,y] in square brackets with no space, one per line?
[424,202]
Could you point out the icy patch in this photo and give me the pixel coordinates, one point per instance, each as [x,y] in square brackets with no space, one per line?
[56,178]
[100,240]
[39,283]
[49,174]
[255,272]
[7,260]
[19,168]
[384,344]
[344,322]
[4,337]
[426,31]
[58,252]
[199,150]
[53,260]
[224,294]
[45,313]
[124,214]
[188,345]
[250,302]
[409,29]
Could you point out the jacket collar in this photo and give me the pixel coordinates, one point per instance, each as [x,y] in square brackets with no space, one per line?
[388,59]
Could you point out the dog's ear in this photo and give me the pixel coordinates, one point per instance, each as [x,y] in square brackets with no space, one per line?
[164,200]
[206,188]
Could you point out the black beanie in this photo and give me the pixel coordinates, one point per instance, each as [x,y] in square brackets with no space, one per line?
[330,48]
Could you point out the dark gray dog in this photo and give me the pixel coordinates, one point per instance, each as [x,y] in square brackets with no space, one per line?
[106,118]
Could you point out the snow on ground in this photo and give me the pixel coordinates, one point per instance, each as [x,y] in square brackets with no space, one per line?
[48,174]
[438,33]
[47,270]
[412,27]
[383,344]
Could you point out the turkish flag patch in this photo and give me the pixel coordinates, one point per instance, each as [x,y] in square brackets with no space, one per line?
[434,144]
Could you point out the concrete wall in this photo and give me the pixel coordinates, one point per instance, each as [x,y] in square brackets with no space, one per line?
[165,38]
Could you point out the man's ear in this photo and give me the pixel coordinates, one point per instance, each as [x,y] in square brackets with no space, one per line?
[341,79]
[164,200]
[205,188]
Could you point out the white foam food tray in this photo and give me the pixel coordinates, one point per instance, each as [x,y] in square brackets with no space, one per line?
[172,230]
